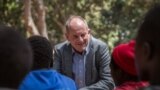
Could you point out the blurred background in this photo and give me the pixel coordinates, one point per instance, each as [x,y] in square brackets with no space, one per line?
[113,21]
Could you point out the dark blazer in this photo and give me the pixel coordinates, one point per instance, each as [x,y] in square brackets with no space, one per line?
[98,76]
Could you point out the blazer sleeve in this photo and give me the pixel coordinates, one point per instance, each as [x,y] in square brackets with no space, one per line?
[57,59]
[103,58]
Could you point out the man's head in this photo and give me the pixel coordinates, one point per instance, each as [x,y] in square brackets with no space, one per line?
[42,52]
[77,33]
[15,57]
[148,46]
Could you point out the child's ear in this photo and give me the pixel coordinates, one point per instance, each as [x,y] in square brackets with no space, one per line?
[147,51]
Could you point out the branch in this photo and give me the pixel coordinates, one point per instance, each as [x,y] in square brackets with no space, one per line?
[41,23]
[28,20]
[61,25]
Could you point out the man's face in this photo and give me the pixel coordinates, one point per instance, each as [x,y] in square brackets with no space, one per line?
[79,38]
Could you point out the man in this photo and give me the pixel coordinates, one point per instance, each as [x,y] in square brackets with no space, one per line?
[43,77]
[148,48]
[83,58]
[15,58]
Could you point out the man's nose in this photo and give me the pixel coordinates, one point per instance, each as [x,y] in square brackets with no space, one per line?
[80,39]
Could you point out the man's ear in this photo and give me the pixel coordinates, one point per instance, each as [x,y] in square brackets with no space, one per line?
[147,51]
[89,31]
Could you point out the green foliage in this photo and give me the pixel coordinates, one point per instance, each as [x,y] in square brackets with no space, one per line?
[118,20]
[113,21]
[10,14]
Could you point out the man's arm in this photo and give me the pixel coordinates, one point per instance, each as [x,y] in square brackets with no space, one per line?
[106,81]
[56,60]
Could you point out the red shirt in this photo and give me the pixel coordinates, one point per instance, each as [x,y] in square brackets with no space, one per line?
[132,85]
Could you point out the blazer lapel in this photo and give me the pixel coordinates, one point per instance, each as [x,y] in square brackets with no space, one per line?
[68,61]
[89,62]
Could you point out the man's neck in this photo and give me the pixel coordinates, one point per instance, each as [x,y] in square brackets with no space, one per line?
[78,51]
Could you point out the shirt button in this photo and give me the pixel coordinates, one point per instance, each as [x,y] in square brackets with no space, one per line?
[80,81]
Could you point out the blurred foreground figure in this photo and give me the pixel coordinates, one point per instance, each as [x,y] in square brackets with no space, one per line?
[123,67]
[15,58]
[43,77]
[148,48]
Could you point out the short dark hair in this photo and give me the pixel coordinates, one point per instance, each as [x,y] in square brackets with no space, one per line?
[149,30]
[16,57]
[42,51]
[149,34]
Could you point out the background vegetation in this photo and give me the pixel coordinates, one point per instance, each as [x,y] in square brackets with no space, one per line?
[113,21]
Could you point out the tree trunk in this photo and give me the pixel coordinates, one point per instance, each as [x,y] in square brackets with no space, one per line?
[28,20]
[37,27]
[41,24]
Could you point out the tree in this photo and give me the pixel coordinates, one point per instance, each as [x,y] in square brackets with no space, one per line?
[113,21]
[38,27]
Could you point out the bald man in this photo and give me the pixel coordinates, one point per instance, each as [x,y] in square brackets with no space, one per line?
[83,58]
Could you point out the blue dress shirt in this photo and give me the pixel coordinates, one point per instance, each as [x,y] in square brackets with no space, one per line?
[79,67]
